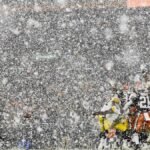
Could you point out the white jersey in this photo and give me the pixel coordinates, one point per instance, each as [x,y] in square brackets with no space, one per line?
[144,101]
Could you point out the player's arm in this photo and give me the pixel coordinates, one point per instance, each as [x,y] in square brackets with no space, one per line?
[102,112]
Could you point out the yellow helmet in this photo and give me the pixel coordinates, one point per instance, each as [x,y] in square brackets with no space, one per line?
[115,99]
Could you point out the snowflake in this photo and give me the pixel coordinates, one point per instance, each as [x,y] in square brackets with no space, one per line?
[36,73]
[82,21]
[130,57]
[124,24]
[44,117]
[6,116]
[142,66]
[37,8]
[137,78]
[15,31]
[86,104]
[5,7]
[33,23]
[4,81]
[112,82]
[63,25]
[102,89]
[55,134]
[1,144]
[13,9]
[62,2]
[124,19]
[26,44]
[68,10]
[123,28]
[5,10]
[39,129]
[17,120]
[93,30]
[75,116]
[108,33]
[109,65]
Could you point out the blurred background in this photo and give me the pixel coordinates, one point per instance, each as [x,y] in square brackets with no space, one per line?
[58,62]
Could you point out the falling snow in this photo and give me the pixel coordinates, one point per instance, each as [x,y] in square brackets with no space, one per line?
[58,65]
[33,23]
[124,24]
[109,65]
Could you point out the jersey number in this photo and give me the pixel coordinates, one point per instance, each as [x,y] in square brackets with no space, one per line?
[144,102]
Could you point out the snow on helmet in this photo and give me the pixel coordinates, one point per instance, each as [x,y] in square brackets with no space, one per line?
[144,70]
[115,99]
